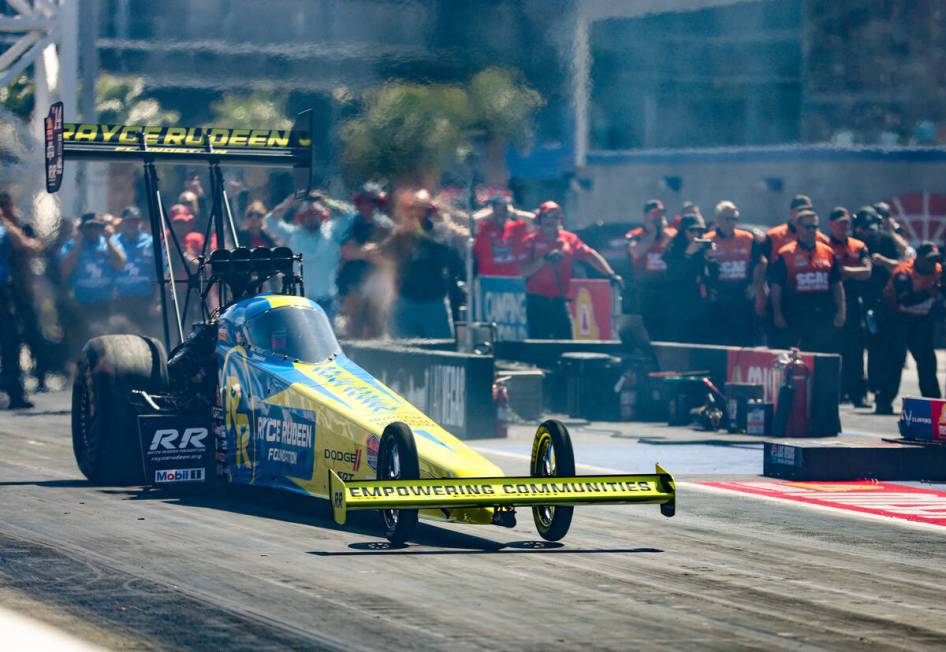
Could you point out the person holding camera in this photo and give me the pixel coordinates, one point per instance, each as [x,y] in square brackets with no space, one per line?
[546,259]
[692,274]
[807,295]
[89,264]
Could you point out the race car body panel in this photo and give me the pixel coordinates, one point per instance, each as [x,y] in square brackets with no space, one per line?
[288,422]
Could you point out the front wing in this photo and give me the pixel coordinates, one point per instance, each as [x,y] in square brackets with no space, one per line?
[453,493]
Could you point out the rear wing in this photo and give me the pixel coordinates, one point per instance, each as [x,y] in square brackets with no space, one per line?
[657,488]
[220,145]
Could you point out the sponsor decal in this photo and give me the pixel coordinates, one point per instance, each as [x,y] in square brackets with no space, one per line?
[893,501]
[733,270]
[812,282]
[759,368]
[372,446]
[492,488]
[173,439]
[348,457]
[182,138]
[285,440]
[179,475]
[917,419]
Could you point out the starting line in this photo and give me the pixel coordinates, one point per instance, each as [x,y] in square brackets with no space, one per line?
[874,499]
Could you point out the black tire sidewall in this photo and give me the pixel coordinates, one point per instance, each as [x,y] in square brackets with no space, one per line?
[564,466]
[112,366]
[400,435]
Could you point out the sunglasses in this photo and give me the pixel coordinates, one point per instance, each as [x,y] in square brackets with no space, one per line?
[809,227]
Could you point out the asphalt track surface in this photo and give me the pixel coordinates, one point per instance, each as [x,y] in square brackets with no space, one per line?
[244,569]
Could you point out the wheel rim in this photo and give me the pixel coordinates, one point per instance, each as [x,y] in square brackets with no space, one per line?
[392,471]
[545,468]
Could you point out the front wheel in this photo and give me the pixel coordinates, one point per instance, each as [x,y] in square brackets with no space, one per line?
[397,460]
[552,456]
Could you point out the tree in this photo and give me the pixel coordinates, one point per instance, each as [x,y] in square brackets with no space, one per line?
[505,107]
[407,133]
[254,110]
[120,100]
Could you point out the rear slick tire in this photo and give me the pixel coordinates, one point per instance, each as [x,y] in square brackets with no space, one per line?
[552,456]
[397,460]
[105,438]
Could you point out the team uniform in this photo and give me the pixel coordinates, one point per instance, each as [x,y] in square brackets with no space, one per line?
[650,275]
[731,311]
[496,249]
[134,283]
[910,298]
[547,289]
[807,277]
[852,253]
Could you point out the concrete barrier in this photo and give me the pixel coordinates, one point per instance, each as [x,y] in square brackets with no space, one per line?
[453,389]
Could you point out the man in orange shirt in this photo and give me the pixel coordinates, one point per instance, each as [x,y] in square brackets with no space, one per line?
[741,275]
[807,295]
[779,236]
[546,257]
[854,259]
[910,296]
[646,247]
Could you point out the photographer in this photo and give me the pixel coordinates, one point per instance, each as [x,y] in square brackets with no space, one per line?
[546,262]
[692,273]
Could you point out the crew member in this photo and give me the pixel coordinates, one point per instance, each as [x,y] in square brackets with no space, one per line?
[496,248]
[910,296]
[12,239]
[741,279]
[807,295]
[776,238]
[89,263]
[854,260]
[646,246]
[546,259]
[135,286]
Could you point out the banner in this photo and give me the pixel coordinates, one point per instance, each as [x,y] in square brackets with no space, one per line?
[590,308]
[502,300]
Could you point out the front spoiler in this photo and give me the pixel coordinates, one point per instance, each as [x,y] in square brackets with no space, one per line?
[452,493]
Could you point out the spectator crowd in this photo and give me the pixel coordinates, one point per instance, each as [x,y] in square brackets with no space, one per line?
[381,265]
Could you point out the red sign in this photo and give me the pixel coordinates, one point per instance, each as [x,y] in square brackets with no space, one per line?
[881,499]
[758,366]
[590,308]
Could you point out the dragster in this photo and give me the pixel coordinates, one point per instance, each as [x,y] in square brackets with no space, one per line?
[260,393]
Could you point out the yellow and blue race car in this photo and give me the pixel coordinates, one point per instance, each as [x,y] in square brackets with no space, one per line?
[260,393]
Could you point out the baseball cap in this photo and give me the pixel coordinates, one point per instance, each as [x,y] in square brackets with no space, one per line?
[90,219]
[131,213]
[181,213]
[839,213]
[549,207]
[883,209]
[806,212]
[927,249]
[500,200]
[800,201]
[653,205]
[866,216]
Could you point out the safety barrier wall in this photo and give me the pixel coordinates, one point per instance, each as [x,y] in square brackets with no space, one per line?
[453,389]
[718,360]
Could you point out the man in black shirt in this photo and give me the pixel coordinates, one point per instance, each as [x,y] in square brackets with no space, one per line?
[423,271]
[884,256]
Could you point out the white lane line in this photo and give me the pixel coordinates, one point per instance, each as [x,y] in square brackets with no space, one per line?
[21,633]
[696,486]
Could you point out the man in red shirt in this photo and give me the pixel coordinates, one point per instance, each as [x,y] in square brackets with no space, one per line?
[910,295]
[807,295]
[741,276]
[854,260]
[496,246]
[646,247]
[546,257]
